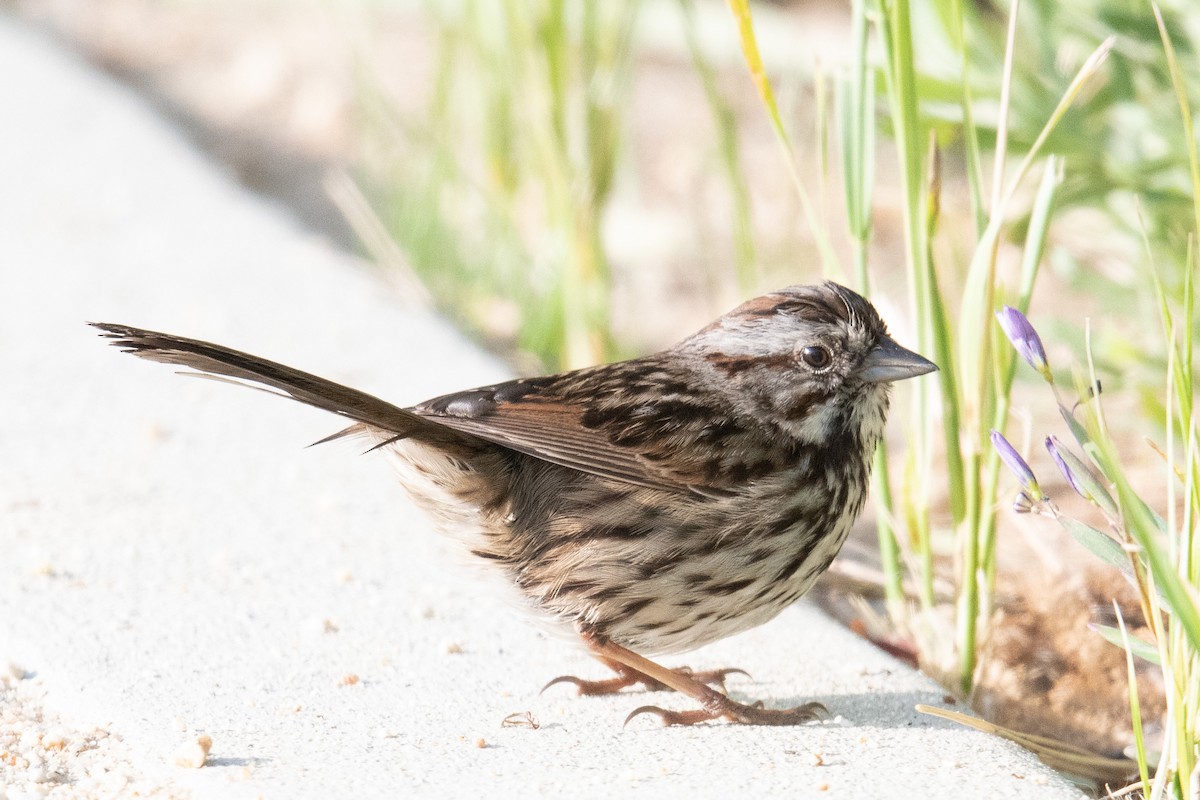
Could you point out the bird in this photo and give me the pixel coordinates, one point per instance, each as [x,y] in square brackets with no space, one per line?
[646,507]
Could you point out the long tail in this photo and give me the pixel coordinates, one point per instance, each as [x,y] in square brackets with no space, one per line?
[259,373]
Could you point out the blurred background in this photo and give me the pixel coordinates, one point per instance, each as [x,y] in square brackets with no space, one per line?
[570,185]
[575,182]
[544,166]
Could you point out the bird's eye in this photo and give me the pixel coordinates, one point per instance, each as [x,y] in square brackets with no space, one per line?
[816,356]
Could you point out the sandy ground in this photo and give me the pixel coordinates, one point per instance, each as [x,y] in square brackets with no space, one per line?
[44,756]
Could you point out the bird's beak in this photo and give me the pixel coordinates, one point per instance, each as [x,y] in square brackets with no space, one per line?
[889,362]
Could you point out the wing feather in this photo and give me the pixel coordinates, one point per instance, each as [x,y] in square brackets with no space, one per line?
[603,421]
[554,432]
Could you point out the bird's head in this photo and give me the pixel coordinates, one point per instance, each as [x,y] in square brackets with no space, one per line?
[810,358]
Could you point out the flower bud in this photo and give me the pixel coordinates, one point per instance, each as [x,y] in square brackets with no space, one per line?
[1024,338]
[1080,476]
[1012,459]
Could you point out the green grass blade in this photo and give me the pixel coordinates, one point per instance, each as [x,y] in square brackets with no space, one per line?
[1131,645]
[1139,648]
[750,52]
[725,124]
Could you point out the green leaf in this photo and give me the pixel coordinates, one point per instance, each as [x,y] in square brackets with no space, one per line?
[1100,544]
[1139,647]
[1144,527]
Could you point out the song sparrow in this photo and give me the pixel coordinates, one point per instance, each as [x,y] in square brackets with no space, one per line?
[650,506]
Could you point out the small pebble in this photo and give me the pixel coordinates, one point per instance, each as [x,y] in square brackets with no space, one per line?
[54,740]
[192,755]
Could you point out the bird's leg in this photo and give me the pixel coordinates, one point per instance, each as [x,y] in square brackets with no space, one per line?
[713,704]
[627,676]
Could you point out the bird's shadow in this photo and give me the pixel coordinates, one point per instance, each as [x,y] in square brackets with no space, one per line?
[879,709]
[234,761]
[895,710]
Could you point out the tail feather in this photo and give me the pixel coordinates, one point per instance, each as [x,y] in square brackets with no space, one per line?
[233,366]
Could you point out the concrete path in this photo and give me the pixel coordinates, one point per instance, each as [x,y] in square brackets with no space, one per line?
[174,563]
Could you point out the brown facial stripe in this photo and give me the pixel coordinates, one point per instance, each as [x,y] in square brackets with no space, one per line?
[765,306]
[734,365]
[759,307]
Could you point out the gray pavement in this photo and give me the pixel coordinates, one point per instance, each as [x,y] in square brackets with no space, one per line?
[174,562]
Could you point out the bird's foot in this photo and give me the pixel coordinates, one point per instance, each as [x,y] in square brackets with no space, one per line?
[721,707]
[713,704]
[627,677]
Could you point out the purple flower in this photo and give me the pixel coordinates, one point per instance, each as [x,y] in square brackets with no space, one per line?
[1080,476]
[1056,452]
[1012,459]
[1024,338]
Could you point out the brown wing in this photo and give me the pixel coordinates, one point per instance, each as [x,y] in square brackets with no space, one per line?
[552,431]
[588,421]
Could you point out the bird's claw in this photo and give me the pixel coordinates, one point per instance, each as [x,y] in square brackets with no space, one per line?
[610,686]
[714,677]
[736,713]
[669,717]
